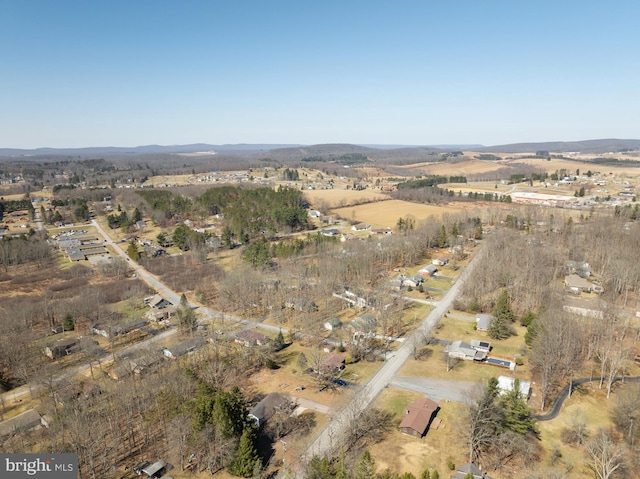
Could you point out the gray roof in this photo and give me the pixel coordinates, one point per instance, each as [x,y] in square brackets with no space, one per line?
[20,422]
[267,407]
[365,322]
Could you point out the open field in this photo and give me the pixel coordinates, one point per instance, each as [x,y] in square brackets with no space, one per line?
[385,214]
[338,198]
[462,168]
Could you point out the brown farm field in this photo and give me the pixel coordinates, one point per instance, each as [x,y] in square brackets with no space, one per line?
[469,167]
[384,214]
[338,198]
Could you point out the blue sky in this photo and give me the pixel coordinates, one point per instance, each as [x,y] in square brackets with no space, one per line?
[127,73]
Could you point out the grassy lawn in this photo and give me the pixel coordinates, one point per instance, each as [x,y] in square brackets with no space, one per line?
[402,453]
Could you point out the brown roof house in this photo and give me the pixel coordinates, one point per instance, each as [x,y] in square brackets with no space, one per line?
[330,364]
[249,338]
[418,417]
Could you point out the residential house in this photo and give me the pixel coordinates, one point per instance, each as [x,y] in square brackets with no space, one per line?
[484,346]
[429,270]
[109,331]
[333,323]
[482,322]
[330,232]
[418,417]
[349,237]
[157,315]
[364,324]
[122,370]
[413,281]
[462,350]
[440,261]
[144,363]
[155,469]
[268,406]
[82,391]
[361,227]
[314,214]
[60,348]
[301,304]
[24,421]
[185,347]
[581,268]
[507,384]
[462,472]
[250,338]
[330,364]
[140,225]
[382,231]
[158,302]
[578,284]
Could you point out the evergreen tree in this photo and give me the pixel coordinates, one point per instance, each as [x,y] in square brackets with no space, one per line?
[502,308]
[302,361]
[136,216]
[161,239]
[442,237]
[425,474]
[435,475]
[527,318]
[68,323]
[278,343]
[229,413]
[132,251]
[365,468]
[244,461]
[500,324]
[516,413]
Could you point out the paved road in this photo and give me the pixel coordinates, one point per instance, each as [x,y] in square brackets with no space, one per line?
[330,437]
[438,389]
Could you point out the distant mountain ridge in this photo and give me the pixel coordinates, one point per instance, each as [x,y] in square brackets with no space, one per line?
[145,149]
[586,146]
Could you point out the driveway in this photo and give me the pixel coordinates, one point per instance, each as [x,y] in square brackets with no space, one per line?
[438,389]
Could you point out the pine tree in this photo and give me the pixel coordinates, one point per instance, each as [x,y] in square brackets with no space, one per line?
[516,413]
[365,468]
[244,461]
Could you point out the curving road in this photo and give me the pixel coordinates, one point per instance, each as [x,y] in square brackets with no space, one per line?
[564,393]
